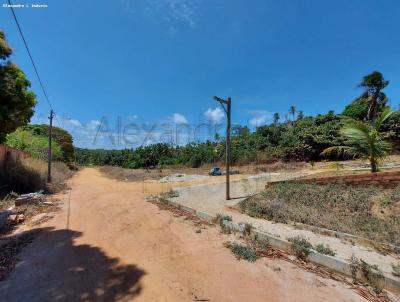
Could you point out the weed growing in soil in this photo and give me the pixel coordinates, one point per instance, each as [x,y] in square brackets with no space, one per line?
[258,243]
[243,252]
[372,274]
[246,228]
[396,269]
[170,194]
[300,246]
[326,250]
[220,219]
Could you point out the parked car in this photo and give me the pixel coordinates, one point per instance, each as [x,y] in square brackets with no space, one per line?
[215,171]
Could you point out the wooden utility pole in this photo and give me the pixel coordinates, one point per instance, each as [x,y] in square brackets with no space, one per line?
[49,155]
[226,105]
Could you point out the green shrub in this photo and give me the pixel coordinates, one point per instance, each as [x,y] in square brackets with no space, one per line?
[243,252]
[246,231]
[258,243]
[171,194]
[326,250]
[220,217]
[300,246]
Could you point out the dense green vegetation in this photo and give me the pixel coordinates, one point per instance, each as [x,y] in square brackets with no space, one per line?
[36,145]
[34,140]
[301,140]
[16,101]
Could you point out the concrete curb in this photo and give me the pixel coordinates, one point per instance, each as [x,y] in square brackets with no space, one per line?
[390,283]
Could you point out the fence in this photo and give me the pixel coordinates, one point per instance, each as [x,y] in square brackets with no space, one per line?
[7,153]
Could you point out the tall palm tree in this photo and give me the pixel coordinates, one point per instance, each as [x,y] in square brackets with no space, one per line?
[373,84]
[365,139]
[276,118]
[292,111]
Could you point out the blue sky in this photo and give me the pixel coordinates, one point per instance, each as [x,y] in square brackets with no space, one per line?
[156,62]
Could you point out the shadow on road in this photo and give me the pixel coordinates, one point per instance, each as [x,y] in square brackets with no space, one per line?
[55,268]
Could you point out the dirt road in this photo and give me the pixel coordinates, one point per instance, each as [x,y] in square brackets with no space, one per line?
[109,244]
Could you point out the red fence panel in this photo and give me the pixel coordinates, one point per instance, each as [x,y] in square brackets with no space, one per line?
[7,153]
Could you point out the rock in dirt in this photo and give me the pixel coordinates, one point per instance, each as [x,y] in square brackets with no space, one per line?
[29,198]
[181,177]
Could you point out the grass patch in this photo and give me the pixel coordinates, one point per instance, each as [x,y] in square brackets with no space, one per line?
[326,250]
[300,246]
[338,207]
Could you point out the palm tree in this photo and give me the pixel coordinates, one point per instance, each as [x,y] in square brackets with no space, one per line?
[292,111]
[365,140]
[276,118]
[300,115]
[373,84]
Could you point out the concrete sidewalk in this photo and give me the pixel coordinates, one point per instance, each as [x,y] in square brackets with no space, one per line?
[210,199]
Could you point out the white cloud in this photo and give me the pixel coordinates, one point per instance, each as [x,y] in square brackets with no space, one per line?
[93,124]
[182,10]
[214,116]
[260,117]
[257,121]
[132,118]
[170,12]
[72,122]
[178,118]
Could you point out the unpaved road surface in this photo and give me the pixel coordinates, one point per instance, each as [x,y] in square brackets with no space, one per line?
[109,244]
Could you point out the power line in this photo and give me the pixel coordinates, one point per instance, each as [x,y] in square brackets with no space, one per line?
[31,58]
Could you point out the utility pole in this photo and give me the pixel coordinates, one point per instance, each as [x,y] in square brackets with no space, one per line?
[226,105]
[49,155]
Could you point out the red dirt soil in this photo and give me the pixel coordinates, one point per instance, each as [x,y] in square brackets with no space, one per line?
[109,244]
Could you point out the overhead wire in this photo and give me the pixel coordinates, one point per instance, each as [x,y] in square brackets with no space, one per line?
[32,60]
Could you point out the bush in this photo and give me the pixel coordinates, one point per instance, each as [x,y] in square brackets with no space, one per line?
[244,252]
[301,247]
[170,194]
[326,250]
